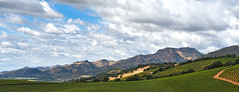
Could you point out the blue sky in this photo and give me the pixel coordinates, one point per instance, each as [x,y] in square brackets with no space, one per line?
[50,32]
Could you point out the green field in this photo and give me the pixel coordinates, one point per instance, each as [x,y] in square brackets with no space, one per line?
[194,82]
[231,73]
[196,66]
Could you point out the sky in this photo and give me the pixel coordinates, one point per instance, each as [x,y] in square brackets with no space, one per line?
[51,32]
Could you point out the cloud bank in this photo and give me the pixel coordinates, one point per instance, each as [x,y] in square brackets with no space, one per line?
[124,28]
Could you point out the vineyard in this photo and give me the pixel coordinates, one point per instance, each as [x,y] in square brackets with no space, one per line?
[231,73]
[196,66]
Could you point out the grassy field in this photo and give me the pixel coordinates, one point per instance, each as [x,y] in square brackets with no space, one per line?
[231,73]
[194,82]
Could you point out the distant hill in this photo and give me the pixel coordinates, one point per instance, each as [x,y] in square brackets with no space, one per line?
[227,50]
[164,55]
[79,68]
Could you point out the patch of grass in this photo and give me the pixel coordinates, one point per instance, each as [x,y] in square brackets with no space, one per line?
[194,82]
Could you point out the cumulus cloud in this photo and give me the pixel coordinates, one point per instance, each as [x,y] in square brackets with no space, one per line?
[51,28]
[29,7]
[29,31]
[163,23]
[155,15]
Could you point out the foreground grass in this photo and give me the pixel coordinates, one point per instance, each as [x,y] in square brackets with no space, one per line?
[195,82]
[4,82]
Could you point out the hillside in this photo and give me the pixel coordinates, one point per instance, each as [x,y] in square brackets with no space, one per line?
[227,50]
[177,70]
[201,81]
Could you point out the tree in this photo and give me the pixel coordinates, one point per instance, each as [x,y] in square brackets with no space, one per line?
[229,63]
[148,77]
[82,80]
[237,61]
[188,71]
[215,65]
[106,79]
[96,80]
[117,80]
[133,78]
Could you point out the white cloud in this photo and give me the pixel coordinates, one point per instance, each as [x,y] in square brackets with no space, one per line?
[49,11]
[38,8]
[6,44]
[76,21]
[3,35]
[29,31]
[71,28]
[13,18]
[51,28]
[4,59]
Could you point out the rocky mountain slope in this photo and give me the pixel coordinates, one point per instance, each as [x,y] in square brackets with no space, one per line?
[227,50]
[164,55]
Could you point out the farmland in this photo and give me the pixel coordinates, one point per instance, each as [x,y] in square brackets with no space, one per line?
[231,73]
[196,66]
[197,82]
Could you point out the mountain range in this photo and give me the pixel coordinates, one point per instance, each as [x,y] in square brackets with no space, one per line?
[80,68]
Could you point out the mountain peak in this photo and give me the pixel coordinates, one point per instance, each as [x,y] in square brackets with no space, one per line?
[103,62]
[81,62]
[227,50]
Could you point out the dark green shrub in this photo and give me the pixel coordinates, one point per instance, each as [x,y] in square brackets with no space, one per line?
[237,61]
[117,80]
[82,80]
[96,80]
[133,78]
[106,79]
[148,77]
[215,65]
[230,63]
[188,71]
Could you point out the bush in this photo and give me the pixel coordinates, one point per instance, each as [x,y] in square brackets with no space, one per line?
[117,80]
[215,65]
[148,77]
[96,80]
[188,71]
[237,61]
[229,63]
[106,79]
[82,80]
[134,78]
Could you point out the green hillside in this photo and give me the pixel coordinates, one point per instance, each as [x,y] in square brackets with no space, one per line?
[231,73]
[194,82]
[196,66]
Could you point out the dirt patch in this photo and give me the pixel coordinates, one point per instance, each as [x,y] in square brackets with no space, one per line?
[139,70]
[224,79]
